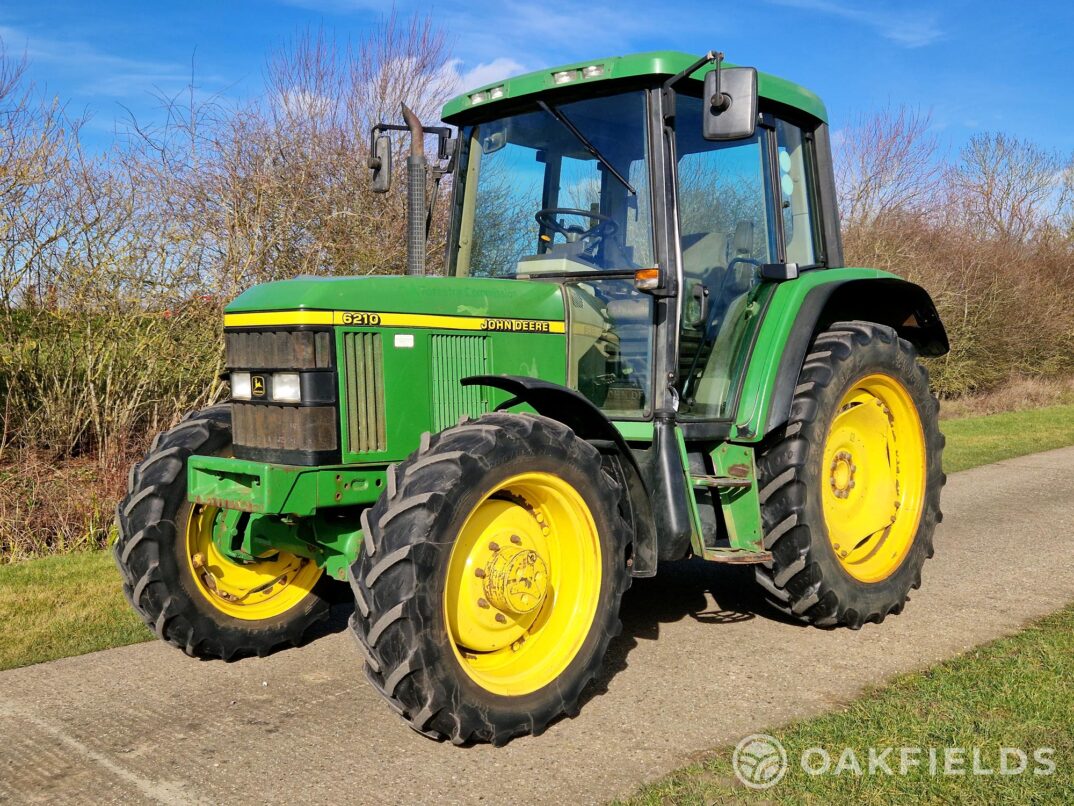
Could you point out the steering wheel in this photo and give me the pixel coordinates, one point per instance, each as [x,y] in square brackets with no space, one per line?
[604,227]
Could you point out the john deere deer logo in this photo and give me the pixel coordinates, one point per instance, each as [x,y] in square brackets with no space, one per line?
[257,386]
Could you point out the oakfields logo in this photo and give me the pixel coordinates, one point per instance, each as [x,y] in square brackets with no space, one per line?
[760,761]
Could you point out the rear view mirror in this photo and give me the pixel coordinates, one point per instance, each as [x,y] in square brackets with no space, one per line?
[381,163]
[730,103]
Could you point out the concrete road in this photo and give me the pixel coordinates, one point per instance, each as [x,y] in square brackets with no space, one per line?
[701,662]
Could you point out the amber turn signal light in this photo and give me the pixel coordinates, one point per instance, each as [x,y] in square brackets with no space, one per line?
[647,279]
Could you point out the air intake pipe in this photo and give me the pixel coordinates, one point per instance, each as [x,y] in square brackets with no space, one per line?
[416,212]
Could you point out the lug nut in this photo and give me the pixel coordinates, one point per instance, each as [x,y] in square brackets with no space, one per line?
[479,573]
[198,560]
[501,618]
[516,539]
[482,602]
[494,546]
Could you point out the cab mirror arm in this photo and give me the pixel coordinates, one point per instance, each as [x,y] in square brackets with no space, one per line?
[667,89]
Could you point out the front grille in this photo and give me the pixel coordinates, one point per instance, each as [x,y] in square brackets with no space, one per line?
[305,433]
[363,362]
[454,358]
[270,428]
[279,349]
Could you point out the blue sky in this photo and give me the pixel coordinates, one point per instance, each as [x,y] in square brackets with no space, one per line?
[974,64]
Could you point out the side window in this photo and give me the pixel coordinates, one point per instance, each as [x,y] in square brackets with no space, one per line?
[796,194]
[722,204]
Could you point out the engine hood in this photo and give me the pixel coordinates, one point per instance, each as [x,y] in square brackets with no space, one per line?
[337,300]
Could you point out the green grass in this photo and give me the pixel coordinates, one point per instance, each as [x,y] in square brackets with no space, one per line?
[974,441]
[68,605]
[1015,692]
[61,606]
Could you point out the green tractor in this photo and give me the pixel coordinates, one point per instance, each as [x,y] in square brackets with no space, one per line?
[646,347]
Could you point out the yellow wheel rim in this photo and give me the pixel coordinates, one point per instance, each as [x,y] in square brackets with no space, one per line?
[873,477]
[250,591]
[523,584]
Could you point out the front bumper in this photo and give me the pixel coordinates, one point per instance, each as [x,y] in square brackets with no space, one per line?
[270,489]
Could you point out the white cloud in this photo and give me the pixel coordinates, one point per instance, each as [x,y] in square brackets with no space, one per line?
[909,28]
[481,74]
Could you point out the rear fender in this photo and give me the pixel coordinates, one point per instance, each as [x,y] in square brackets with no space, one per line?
[802,308]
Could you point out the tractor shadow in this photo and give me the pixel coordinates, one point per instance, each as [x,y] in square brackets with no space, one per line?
[339,613]
[684,589]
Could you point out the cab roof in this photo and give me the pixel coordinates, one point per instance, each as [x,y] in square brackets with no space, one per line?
[655,63]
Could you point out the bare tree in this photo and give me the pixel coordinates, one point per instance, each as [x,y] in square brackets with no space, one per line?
[886,166]
[37,140]
[1006,188]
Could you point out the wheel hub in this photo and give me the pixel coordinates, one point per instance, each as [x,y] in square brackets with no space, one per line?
[260,588]
[874,457]
[516,579]
[842,474]
[523,583]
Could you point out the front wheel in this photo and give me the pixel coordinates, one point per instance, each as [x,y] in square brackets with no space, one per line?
[850,487]
[490,577]
[191,594]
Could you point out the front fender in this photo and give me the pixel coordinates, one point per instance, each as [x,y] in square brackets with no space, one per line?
[591,424]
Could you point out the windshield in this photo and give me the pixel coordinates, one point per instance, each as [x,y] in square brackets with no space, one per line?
[559,190]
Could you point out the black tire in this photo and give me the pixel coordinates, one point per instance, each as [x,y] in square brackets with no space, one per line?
[805,578]
[150,550]
[399,576]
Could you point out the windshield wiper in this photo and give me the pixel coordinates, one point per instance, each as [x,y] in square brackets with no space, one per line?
[592,149]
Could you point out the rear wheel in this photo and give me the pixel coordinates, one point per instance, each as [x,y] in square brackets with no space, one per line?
[187,591]
[850,487]
[489,581]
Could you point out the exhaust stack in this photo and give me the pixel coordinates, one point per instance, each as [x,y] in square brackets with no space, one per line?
[416,211]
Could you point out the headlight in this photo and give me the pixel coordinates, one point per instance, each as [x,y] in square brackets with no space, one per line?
[286,387]
[240,385]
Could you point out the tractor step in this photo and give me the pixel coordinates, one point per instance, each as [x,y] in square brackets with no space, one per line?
[723,482]
[737,556]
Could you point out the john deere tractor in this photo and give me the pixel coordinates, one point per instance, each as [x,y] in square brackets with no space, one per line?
[645,347]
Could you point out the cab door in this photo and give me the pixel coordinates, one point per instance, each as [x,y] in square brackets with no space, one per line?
[741,204]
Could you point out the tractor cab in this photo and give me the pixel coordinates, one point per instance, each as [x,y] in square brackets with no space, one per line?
[657,222]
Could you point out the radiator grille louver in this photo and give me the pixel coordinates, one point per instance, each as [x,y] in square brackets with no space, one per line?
[454,358]
[363,357]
